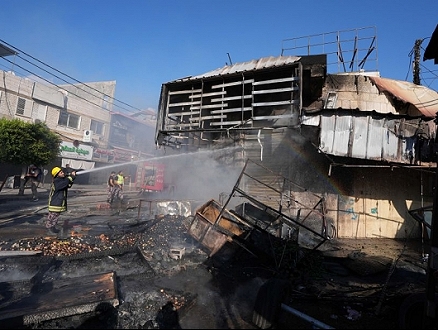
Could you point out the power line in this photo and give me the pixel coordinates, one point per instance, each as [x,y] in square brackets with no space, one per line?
[59,87]
[98,105]
[56,70]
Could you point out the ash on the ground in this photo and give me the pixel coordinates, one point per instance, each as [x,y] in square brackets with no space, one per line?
[149,277]
[157,290]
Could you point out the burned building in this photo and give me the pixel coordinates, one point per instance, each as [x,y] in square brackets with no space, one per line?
[348,154]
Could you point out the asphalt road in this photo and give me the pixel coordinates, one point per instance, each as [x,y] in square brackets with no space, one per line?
[21,217]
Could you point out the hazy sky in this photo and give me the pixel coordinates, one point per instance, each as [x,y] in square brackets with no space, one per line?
[142,44]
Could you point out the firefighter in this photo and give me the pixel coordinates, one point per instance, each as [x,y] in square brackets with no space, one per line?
[118,187]
[34,175]
[120,179]
[111,186]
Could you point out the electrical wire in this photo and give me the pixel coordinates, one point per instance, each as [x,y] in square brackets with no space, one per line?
[411,53]
[64,74]
[98,105]
[433,75]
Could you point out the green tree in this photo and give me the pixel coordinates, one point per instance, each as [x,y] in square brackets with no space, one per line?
[27,143]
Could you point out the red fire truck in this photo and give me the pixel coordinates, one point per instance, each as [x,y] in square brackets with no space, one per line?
[150,177]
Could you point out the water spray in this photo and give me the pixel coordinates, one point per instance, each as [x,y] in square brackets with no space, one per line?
[81,171]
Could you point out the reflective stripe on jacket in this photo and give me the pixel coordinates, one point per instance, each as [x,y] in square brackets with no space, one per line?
[58,193]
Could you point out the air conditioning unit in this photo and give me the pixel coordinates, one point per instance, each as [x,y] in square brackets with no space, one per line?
[88,136]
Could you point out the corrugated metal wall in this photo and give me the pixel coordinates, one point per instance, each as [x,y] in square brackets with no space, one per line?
[370,137]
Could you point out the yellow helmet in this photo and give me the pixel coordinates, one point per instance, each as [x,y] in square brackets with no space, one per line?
[55,171]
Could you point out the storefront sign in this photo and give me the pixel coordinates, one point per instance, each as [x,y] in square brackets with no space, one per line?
[68,150]
[103,155]
[122,156]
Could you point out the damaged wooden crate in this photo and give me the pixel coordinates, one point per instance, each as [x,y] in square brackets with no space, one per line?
[214,231]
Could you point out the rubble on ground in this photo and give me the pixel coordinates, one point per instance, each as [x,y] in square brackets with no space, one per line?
[161,270]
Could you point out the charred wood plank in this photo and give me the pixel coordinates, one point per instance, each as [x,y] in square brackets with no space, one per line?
[62,298]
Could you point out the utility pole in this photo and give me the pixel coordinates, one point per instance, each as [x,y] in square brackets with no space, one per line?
[432,264]
[416,65]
